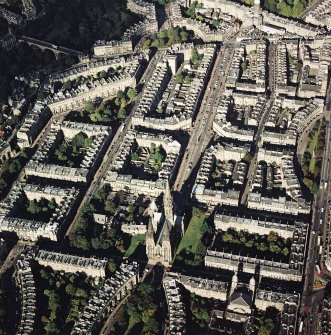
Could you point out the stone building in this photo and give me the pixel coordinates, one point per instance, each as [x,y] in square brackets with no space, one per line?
[27,291]
[110,294]
[111,48]
[158,239]
[91,266]
[239,299]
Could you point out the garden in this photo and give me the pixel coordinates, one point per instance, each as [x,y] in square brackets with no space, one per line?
[271,246]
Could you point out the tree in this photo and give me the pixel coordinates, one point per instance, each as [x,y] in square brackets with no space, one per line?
[120,94]
[274,248]
[79,242]
[285,251]
[81,293]
[102,74]
[101,194]
[151,327]
[70,289]
[187,79]
[89,107]
[153,148]
[53,300]
[196,58]
[184,36]
[123,102]
[88,208]
[3,185]
[129,218]
[134,156]
[67,85]
[284,9]
[121,114]
[145,290]
[272,237]
[110,207]
[96,243]
[79,141]
[263,331]
[111,266]
[191,11]
[33,207]
[146,44]
[179,78]
[132,93]
[43,274]
[156,43]
[95,117]
[298,7]
[14,166]
[52,204]
[51,327]
[227,237]
[249,243]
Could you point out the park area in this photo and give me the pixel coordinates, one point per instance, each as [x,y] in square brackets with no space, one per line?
[193,245]
[312,159]
[137,243]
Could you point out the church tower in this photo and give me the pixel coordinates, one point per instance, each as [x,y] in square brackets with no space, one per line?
[167,204]
[166,244]
[150,243]
[160,224]
[257,4]
[234,283]
[252,284]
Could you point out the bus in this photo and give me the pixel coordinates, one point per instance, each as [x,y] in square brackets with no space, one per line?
[318,269]
[300,327]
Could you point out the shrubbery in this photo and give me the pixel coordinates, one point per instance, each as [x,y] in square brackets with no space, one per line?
[167,38]
[272,243]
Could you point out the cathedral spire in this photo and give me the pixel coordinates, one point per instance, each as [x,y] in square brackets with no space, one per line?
[150,229]
[166,232]
[167,204]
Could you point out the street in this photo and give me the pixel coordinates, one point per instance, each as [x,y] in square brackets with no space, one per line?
[311,298]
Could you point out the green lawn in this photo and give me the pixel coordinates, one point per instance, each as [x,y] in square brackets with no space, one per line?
[311,147]
[312,144]
[312,165]
[193,234]
[136,240]
[133,322]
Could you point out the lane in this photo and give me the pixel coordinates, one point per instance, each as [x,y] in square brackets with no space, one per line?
[253,163]
[312,6]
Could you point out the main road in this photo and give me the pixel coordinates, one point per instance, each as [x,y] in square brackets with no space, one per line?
[202,132]
[311,298]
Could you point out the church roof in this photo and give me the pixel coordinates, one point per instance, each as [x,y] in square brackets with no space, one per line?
[241,299]
[153,206]
[163,233]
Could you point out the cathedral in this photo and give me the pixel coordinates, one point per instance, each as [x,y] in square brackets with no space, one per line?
[160,225]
